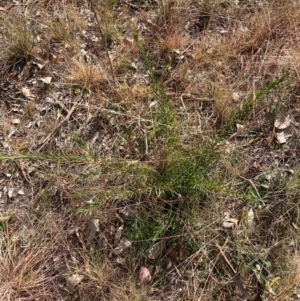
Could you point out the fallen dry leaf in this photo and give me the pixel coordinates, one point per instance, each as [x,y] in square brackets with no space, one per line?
[282,137]
[10,193]
[118,234]
[250,216]
[16,121]
[21,192]
[144,276]
[41,66]
[26,92]
[156,250]
[73,280]
[123,244]
[240,129]
[229,222]
[46,80]
[237,96]
[282,123]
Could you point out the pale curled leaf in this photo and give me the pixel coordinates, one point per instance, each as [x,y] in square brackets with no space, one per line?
[230,223]
[118,234]
[226,215]
[236,96]
[46,80]
[282,137]
[123,244]
[73,280]
[21,192]
[41,66]
[282,123]
[144,275]
[250,216]
[25,92]
[240,129]
[152,104]
[10,193]
[16,121]
[240,126]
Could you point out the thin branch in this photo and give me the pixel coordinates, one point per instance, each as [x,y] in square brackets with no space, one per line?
[233,273]
[54,131]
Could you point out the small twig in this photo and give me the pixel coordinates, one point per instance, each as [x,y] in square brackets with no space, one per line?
[57,102]
[25,175]
[104,40]
[62,106]
[271,136]
[254,187]
[233,273]
[183,104]
[53,132]
[224,256]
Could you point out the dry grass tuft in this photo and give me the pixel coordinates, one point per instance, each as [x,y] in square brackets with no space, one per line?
[85,76]
[26,274]
[27,260]
[17,38]
[289,286]
[107,281]
[174,41]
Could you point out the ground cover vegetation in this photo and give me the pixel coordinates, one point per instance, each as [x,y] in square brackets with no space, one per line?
[149,150]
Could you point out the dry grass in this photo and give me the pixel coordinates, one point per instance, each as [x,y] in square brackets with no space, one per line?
[27,258]
[289,285]
[24,275]
[17,41]
[153,145]
[85,76]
